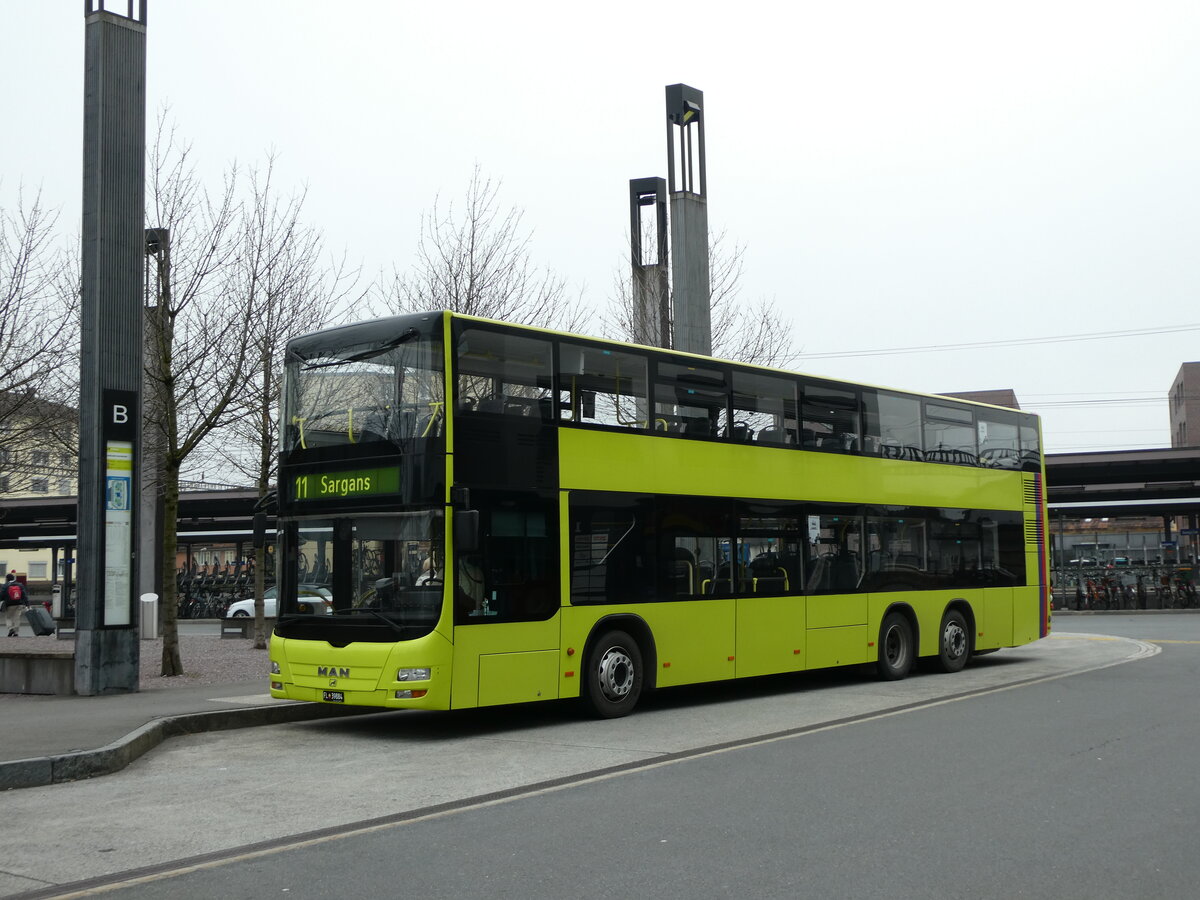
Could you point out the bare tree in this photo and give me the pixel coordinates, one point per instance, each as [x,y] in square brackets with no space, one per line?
[475,260]
[198,334]
[747,332]
[39,329]
[282,274]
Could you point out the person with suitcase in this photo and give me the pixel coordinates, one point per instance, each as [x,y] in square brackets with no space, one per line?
[14,600]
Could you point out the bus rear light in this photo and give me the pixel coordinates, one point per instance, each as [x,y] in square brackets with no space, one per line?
[410,695]
[413,674]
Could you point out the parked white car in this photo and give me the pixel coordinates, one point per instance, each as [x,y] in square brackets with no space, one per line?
[321,598]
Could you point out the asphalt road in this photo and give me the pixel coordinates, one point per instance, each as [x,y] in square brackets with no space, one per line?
[1047,771]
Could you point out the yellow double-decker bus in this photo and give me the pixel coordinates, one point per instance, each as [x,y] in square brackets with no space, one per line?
[501,514]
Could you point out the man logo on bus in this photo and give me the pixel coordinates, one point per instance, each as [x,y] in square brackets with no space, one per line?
[333,671]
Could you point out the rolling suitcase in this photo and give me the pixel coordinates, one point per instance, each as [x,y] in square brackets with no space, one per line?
[39,620]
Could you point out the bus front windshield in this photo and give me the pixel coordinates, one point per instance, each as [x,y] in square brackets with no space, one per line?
[352,388]
[388,566]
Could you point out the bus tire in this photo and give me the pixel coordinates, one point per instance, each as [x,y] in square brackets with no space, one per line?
[954,642]
[897,649]
[614,675]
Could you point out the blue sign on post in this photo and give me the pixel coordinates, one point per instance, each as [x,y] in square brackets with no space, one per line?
[117,496]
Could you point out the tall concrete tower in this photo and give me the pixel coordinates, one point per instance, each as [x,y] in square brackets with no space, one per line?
[651,277]
[114,153]
[692,322]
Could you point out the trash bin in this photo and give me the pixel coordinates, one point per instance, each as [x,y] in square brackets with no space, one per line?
[149,618]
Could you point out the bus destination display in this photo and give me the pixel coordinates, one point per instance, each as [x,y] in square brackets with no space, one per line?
[346,484]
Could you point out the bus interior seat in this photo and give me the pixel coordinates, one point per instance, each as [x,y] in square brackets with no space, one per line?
[492,405]
[683,571]
[701,425]
[774,436]
[770,584]
[844,573]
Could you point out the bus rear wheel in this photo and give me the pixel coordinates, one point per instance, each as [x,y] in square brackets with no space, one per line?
[614,675]
[954,642]
[896,650]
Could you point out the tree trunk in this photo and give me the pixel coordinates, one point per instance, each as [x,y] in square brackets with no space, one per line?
[265,446]
[172,663]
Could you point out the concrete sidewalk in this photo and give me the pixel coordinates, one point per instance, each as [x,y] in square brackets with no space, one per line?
[46,739]
[52,739]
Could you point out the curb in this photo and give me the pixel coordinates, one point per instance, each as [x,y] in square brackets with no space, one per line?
[45,770]
[1122,612]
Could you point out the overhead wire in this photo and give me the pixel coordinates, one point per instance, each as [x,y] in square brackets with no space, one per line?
[1013,342]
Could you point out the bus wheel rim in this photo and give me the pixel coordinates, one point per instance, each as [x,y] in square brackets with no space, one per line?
[893,645]
[954,638]
[615,673]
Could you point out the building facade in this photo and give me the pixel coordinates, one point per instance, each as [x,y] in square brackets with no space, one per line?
[38,459]
[1184,405]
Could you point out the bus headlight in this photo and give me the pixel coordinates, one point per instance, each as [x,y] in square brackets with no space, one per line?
[274,668]
[413,674]
[410,695]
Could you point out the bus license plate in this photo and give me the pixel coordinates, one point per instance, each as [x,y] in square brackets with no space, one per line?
[334,697]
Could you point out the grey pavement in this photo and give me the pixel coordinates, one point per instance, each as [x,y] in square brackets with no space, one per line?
[51,739]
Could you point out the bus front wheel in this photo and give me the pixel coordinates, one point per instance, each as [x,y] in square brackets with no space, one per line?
[954,642]
[896,650]
[614,675]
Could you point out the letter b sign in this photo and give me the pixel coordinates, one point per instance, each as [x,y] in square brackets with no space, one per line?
[120,415]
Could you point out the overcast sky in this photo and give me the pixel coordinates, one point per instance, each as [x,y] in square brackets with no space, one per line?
[902,174]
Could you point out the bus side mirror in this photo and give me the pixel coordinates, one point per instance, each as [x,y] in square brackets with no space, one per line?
[466,530]
[260,530]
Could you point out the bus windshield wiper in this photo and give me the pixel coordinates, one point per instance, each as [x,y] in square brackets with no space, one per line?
[366,354]
[395,626]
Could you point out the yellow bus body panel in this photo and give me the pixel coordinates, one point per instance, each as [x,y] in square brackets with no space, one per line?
[996,628]
[604,461]
[518,677]
[832,610]
[770,635]
[838,646]
[473,642]
[1026,617]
